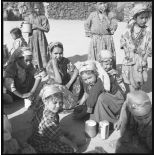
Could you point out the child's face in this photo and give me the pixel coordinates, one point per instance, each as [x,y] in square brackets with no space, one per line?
[142,19]
[54,103]
[13,36]
[138,108]
[89,78]
[57,53]
[107,64]
[36,9]
[101,6]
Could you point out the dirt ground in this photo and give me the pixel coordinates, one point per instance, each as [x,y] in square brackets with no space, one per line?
[71,34]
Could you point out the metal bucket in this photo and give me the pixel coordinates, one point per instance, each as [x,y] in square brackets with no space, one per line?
[27,28]
[90,128]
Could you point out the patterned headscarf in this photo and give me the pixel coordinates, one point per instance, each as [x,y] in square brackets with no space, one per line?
[49,90]
[105,55]
[86,66]
[52,44]
[95,66]
[139,8]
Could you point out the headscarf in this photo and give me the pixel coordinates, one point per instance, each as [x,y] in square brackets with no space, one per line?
[86,66]
[55,43]
[95,66]
[138,8]
[20,52]
[105,55]
[49,90]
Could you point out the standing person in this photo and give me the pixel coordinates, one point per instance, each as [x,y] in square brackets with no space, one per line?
[100,26]
[137,44]
[48,136]
[135,123]
[19,76]
[19,41]
[37,39]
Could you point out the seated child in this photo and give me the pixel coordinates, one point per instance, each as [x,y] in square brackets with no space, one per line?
[19,41]
[135,123]
[47,136]
[93,85]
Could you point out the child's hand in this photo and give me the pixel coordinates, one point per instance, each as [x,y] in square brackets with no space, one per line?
[21,25]
[113,72]
[118,124]
[34,26]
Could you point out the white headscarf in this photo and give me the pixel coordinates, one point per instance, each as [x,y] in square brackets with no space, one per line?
[95,66]
[49,90]
[105,54]
[138,8]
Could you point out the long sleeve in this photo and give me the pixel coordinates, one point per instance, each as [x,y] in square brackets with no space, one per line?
[148,45]
[113,25]
[95,91]
[87,26]
[45,24]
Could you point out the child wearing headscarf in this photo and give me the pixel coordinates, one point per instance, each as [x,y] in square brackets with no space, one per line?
[47,136]
[95,82]
[135,123]
[109,104]
[137,45]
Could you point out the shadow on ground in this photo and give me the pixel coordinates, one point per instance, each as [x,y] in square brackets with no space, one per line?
[75,131]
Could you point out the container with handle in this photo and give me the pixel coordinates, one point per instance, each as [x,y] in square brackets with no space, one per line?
[26,27]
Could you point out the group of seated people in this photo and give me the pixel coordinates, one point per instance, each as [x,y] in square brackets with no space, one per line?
[94,90]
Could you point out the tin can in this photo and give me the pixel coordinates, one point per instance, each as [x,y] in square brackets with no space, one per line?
[27,28]
[90,128]
[104,129]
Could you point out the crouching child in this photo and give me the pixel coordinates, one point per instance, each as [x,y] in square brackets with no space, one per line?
[48,137]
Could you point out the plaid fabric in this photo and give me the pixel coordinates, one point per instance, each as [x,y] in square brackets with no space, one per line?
[47,132]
